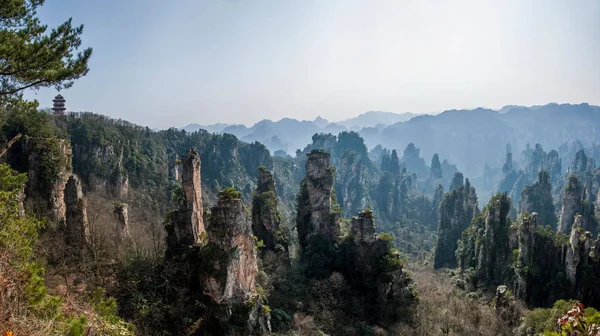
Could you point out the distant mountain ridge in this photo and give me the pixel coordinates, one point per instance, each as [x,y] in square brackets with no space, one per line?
[290,134]
[469,138]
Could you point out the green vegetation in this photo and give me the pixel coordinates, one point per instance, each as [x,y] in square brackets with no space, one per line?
[34,58]
[229,194]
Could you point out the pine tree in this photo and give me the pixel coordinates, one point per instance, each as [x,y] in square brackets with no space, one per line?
[33,58]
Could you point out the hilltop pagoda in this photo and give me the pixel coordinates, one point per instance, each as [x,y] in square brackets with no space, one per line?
[59,105]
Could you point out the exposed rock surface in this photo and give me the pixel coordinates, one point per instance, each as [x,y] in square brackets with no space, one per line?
[363,227]
[122,216]
[484,246]
[173,167]
[455,214]
[350,183]
[266,218]
[49,168]
[527,233]
[372,266]
[315,217]
[230,231]
[538,198]
[546,266]
[76,214]
[186,225]
[572,204]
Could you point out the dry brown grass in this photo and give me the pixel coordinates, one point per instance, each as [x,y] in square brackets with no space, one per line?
[444,309]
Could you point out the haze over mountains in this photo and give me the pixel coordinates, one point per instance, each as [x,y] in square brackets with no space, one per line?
[468,138]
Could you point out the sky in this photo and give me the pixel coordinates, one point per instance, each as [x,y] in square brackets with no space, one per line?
[172,63]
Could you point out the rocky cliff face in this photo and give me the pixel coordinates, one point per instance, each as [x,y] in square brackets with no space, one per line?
[174,167]
[538,198]
[374,269]
[266,218]
[108,174]
[350,183]
[49,169]
[527,232]
[230,231]
[363,227]
[186,225]
[539,264]
[455,214]
[484,246]
[572,204]
[122,216]
[315,217]
[76,213]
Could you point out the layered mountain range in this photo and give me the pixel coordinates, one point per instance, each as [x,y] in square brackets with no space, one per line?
[468,138]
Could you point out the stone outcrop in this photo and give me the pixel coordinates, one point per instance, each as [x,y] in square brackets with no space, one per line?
[538,198]
[122,216]
[350,182]
[173,167]
[49,168]
[315,216]
[186,225]
[572,204]
[76,213]
[484,246]
[363,227]
[230,233]
[266,218]
[101,168]
[527,232]
[192,188]
[545,266]
[457,209]
[372,266]
[229,268]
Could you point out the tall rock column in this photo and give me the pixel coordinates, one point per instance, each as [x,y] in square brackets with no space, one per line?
[538,198]
[192,187]
[78,232]
[265,214]
[526,243]
[173,167]
[315,215]
[572,204]
[230,235]
[49,163]
[456,212]
[122,217]
[186,225]
[363,227]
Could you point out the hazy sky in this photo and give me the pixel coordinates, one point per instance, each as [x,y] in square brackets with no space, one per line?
[171,63]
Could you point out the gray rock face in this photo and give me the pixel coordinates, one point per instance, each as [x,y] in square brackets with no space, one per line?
[78,232]
[572,204]
[266,219]
[314,211]
[230,231]
[186,225]
[42,153]
[350,184]
[538,198]
[363,227]
[122,217]
[173,167]
[526,244]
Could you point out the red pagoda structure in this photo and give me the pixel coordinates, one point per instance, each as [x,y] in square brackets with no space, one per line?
[59,105]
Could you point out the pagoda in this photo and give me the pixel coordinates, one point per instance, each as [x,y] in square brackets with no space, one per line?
[59,105]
